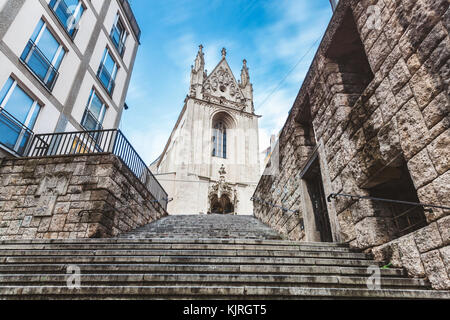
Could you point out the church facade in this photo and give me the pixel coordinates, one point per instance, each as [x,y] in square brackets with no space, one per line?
[211,161]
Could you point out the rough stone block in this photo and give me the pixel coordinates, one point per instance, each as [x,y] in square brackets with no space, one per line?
[425,86]
[421,169]
[439,151]
[347,228]
[372,231]
[428,238]
[444,229]
[412,130]
[436,270]
[410,257]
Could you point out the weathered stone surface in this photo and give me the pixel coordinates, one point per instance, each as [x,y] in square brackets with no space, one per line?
[410,257]
[442,187]
[399,112]
[425,87]
[436,110]
[436,270]
[64,198]
[421,169]
[347,227]
[428,238]
[439,151]
[444,229]
[445,255]
[412,129]
[428,195]
[388,253]
[371,231]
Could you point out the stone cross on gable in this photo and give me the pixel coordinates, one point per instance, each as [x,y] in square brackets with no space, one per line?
[224,53]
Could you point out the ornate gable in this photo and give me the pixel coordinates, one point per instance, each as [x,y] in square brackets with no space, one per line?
[221,86]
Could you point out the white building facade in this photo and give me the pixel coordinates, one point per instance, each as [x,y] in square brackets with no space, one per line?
[211,161]
[65,65]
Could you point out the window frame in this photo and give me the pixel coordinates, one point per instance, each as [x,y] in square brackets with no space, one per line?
[26,124]
[77,11]
[123,37]
[113,76]
[219,140]
[58,57]
[88,108]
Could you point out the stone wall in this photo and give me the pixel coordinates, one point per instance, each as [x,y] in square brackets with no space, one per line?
[377,94]
[92,196]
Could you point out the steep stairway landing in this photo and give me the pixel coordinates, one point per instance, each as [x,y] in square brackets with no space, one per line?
[206,227]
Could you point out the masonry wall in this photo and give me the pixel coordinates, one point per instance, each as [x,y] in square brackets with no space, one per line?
[367,122]
[92,196]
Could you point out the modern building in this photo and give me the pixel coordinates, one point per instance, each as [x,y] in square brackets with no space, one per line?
[65,65]
[211,161]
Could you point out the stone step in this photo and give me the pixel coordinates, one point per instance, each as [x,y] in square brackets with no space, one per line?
[186,260]
[206,292]
[168,246]
[208,280]
[195,268]
[184,247]
[170,241]
[184,252]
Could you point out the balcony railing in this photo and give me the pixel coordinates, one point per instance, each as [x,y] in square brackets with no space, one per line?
[65,17]
[13,134]
[36,61]
[98,142]
[116,38]
[106,79]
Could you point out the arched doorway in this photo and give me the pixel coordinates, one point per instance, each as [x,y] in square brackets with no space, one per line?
[222,205]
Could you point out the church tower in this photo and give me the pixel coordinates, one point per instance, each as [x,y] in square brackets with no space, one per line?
[211,161]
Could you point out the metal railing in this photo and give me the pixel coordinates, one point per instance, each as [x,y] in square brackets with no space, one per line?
[106,79]
[14,135]
[38,63]
[357,197]
[96,142]
[407,216]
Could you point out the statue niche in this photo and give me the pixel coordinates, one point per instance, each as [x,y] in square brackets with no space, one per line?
[222,196]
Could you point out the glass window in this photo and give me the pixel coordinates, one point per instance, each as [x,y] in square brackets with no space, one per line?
[18,114]
[119,35]
[219,140]
[108,71]
[43,55]
[95,113]
[69,13]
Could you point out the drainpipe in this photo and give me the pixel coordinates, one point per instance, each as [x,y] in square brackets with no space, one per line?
[334,4]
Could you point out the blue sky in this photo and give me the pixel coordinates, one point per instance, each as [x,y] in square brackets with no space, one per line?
[273,35]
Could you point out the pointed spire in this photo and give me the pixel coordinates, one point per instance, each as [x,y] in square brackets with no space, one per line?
[224,53]
[245,77]
[200,60]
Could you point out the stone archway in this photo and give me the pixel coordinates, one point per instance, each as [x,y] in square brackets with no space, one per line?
[222,205]
[222,196]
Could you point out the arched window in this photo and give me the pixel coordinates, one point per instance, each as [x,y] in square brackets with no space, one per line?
[219,140]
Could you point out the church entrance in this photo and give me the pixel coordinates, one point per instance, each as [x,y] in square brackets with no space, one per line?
[222,205]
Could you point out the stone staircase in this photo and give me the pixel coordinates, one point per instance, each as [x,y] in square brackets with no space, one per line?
[197,257]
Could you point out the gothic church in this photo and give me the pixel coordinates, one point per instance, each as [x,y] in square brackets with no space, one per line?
[211,161]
